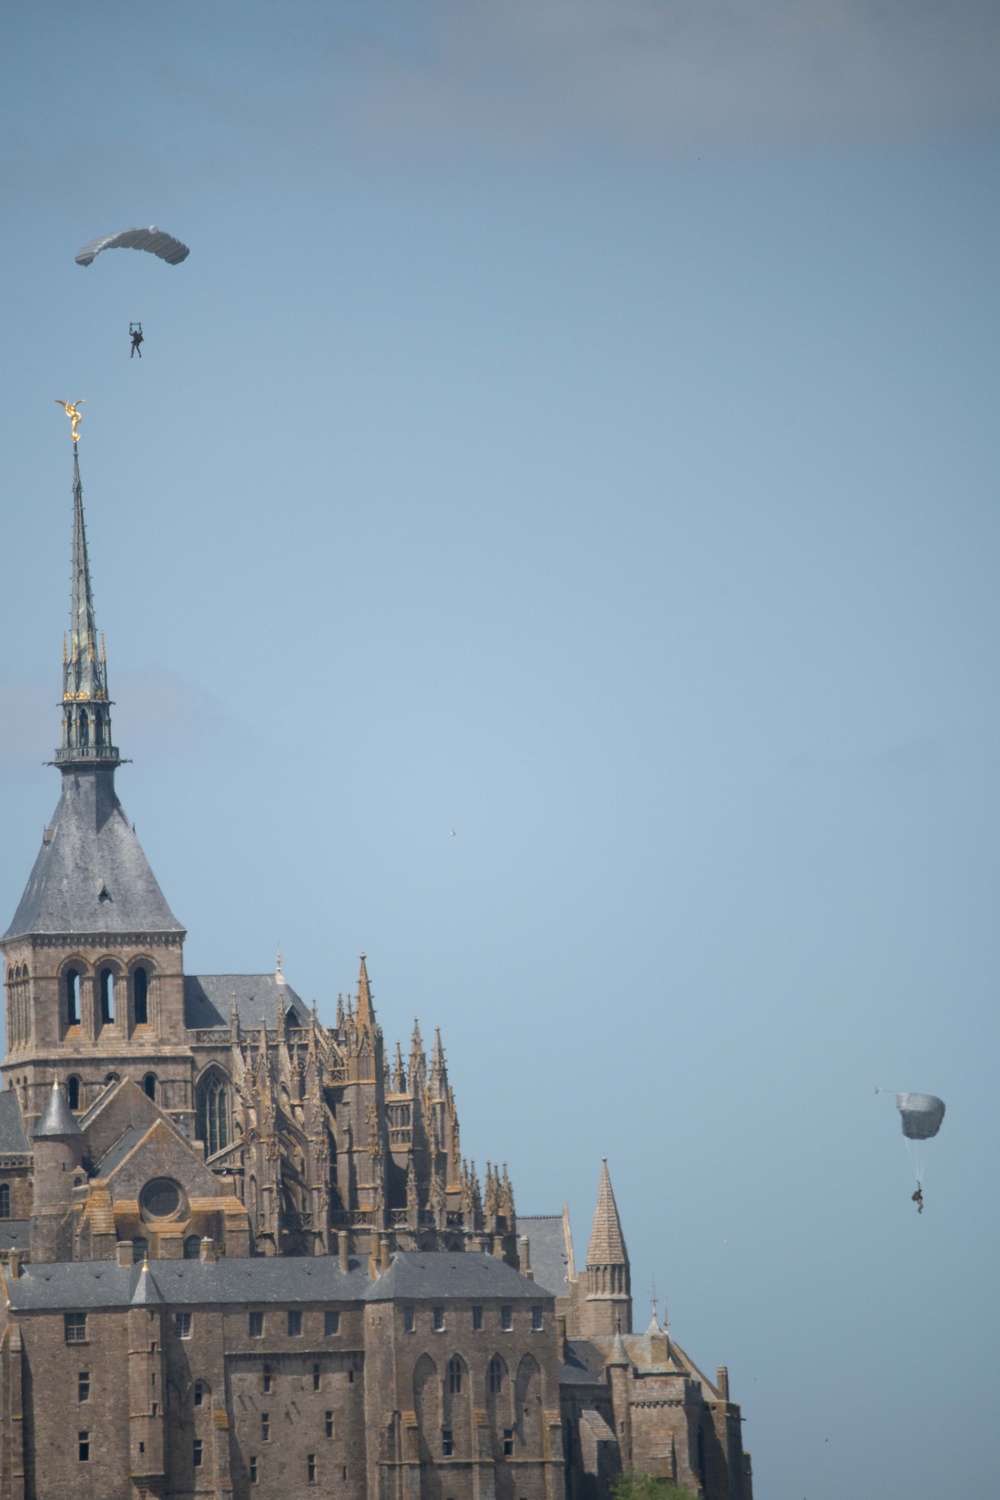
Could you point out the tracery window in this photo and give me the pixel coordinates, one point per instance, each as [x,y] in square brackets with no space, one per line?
[4,1200]
[212,1105]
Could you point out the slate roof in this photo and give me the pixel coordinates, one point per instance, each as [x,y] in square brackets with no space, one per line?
[262,1279]
[421,1275]
[118,1152]
[91,874]
[208,1000]
[57,1118]
[547,1249]
[14,1234]
[12,1137]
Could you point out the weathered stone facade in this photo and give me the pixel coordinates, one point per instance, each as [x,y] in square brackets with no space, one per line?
[243,1251]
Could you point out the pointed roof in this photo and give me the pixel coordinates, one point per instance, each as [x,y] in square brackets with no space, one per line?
[57,1119]
[366,1015]
[91,874]
[85,671]
[607,1243]
[147,1293]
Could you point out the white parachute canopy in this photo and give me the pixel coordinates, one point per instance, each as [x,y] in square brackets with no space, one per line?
[922,1115]
[152,239]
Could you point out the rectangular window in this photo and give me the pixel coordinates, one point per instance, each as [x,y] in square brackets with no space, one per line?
[477,1320]
[198,1393]
[266,1378]
[253,1468]
[438,1319]
[408,1320]
[182,1325]
[331,1322]
[311,1467]
[83,1386]
[294,1324]
[83,1438]
[316,1377]
[75,1325]
[256,1325]
[508,1442]
[447,1442]
[197,1452]
[329,1424]
[265,1427]
[506,1318]
[536,1320]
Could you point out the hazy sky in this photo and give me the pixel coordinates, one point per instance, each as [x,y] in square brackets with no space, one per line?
[575,426]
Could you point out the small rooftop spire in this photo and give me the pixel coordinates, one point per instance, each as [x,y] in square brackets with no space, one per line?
[366,1015]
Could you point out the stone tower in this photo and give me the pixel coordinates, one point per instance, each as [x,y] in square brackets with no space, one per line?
[93,959]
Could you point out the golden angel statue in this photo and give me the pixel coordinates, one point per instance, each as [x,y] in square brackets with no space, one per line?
[73,414]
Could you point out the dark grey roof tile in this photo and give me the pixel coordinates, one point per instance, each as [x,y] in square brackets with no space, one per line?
[12,1137]
[547,1246]
[208,1000]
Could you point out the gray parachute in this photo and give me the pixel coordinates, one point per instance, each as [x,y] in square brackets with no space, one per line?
[152,239]
[922,1115]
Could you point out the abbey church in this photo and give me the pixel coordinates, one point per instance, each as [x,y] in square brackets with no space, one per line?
[243,1253]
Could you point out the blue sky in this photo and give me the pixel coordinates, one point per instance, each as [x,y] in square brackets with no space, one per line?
[575,426]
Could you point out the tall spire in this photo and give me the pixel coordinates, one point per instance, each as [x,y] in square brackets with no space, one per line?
[608,1305]
[607,1243]
[366,1016]
[86,729]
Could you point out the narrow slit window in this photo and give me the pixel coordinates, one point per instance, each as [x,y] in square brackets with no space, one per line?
[140,996]
[107,996]
[72,997]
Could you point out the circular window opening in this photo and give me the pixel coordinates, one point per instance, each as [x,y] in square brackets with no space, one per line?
[160,1198]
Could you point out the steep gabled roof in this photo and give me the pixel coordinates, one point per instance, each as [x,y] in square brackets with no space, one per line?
[208,1000]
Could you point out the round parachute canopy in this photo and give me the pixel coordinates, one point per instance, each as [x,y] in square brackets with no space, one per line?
[152,239]
[922,1115]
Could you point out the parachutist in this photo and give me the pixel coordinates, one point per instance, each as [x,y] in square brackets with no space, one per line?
[918,1199]
[135,329]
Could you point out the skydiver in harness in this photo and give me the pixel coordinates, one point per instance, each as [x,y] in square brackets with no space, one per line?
[918,1198]
[135,329]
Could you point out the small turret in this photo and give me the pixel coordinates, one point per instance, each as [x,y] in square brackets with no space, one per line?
[607,1308]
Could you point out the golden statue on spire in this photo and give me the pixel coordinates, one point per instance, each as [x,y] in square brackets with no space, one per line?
[73,414]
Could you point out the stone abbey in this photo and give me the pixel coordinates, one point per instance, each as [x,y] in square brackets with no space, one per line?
[242,1252]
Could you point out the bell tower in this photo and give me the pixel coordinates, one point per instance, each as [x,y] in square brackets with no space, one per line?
[93,960]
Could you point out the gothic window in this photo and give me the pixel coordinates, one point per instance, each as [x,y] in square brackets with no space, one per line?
[149,1085]
[140,996]
[212,1112]
[72,982]
[455,1375]
[495,1375]
[192,1247]
[73,1091]
[4,1200]
[84,728]
[107,997]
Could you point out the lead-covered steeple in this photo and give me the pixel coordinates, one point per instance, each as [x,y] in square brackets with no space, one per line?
[86,726]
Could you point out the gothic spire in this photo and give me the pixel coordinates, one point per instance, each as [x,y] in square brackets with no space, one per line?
[607,1243]
[438,1080]
[86,732]
[366,1015]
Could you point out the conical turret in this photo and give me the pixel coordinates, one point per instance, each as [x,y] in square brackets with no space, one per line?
[608,1305]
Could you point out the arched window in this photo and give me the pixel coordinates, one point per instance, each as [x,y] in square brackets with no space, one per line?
[212,1112]
[72,983]
[107,996]
[4,1200]
[149,1085]
[495,1372]
[192,1247]
[84,728]
[140,996]
[455,1375]
[73,1091]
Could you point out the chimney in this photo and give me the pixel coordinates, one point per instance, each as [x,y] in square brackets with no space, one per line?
[526,1258]
[384,1254]
[123,1252]
[561,1345]
[14,1265]
[206,1251]
[344,1250]
[722,1381]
